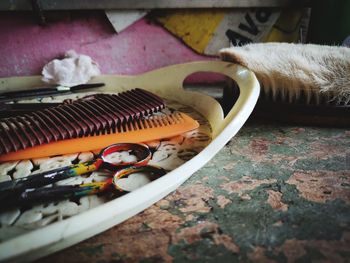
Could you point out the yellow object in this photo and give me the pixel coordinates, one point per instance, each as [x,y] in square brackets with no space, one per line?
[194,27]
[207,31]
[156,127]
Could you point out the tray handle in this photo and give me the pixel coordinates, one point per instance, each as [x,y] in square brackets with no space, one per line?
[247,82]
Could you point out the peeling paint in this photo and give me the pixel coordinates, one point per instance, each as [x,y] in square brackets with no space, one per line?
[275,201]
[223,201]
[321,186]
[192,198]
[206,230]
[246,183]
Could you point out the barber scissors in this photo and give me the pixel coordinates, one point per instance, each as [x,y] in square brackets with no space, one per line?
[25,190]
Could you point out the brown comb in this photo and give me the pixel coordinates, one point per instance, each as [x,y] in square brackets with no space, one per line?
[96,115]
[154,127]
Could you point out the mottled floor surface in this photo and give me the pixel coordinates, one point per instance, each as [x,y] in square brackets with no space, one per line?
[273,194]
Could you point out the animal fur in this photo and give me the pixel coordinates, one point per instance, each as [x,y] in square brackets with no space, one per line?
[290,70]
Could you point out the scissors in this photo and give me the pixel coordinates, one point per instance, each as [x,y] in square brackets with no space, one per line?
[23,190]
[45,194]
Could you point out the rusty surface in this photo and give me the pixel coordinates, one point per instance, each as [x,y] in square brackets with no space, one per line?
[273,194]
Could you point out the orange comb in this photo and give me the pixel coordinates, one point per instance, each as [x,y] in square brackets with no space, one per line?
[141,130]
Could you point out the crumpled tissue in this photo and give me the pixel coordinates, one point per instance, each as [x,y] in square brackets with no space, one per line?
[74,69]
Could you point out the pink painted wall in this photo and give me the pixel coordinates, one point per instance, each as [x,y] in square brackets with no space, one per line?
[25,46]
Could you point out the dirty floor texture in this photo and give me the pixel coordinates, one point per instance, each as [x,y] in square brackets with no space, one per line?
[273,194]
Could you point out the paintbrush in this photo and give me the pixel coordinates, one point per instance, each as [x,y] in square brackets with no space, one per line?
[46,91]
[9,109]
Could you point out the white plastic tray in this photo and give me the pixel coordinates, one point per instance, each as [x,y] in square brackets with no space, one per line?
[168,83]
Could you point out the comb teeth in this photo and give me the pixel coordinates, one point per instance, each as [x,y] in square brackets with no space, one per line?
[101,114]
[157,121]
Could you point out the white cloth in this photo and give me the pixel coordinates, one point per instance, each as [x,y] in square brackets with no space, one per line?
[74,69]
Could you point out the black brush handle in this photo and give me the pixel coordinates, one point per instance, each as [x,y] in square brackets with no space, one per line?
[35,180]
[12,95]
[43,92]
[49,177]
[13,192]
[40,195]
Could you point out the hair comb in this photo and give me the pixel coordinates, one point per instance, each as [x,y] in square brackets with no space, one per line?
[85,117]
[136,131]
[90,123]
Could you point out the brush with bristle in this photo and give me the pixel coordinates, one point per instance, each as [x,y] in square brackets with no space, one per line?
[313,77]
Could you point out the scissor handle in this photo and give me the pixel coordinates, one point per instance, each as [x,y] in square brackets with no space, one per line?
[16,189]
[154,171]
[46,194]
[140,150]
